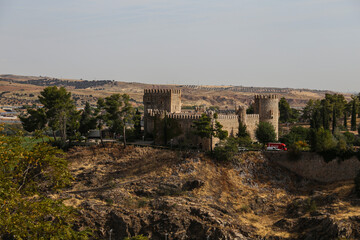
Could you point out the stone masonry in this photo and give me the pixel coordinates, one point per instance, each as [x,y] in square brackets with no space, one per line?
[163,106]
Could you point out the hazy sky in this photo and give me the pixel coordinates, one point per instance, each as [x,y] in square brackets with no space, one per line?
[281,43]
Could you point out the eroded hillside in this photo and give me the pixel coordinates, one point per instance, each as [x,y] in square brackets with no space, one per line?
[186,195]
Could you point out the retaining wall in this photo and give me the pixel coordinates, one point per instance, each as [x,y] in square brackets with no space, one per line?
[313,166]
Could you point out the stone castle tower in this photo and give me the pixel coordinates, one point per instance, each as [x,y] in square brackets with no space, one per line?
[267,106]
[162,99]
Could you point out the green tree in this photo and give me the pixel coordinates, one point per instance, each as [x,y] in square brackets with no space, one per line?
[265,133]
[345,121]
[296,134]
[316,120]
[325,113]
[226,150]
[26,174]
[119,113]
[307,111]
[35,119]
[87,120]
[72,126]
[100,116]
[219,132]
[242,132]
[243,137]
[353,114]
[321,140]
[285,110]
[287,114]
[137,123]
[59,108]
[250,110]
[204,128]
[338,105]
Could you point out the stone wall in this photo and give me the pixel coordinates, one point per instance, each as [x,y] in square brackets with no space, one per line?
[313,166]
[267,106]
[162,99]
[159,103]
[252,121]
[230,123]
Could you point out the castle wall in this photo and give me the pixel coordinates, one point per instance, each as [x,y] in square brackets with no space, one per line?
[159,103]
[251,122]
[313,166]
[182,121]
[230,123]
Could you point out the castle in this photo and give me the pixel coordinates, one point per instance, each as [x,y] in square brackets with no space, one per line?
[166,123]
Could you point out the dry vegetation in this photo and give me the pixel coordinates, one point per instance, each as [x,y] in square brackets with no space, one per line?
[223,96]
[187,195]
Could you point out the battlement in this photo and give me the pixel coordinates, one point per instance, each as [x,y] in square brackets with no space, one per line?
[231,116]
[271,96]
[183,116]
[252,116]
[154,112]
[176,91]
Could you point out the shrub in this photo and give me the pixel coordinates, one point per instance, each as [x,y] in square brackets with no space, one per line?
[244,141]
[321,140]
[310,205]
[226,150]
[26,174]
[350,138]
[296,149]
[296,134]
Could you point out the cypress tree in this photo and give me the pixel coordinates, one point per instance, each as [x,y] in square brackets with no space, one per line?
[242,130]
[334,119]
[345,120]
[325,114]
[353,116]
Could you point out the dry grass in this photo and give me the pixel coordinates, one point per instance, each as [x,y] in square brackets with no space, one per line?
[117,174]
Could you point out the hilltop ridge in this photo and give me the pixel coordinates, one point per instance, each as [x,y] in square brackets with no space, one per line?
[23,90]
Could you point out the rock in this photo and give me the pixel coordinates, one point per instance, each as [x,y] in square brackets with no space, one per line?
[285,224]
[323,228]
[192,184]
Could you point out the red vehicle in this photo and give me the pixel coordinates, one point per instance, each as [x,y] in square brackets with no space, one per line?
[276,147]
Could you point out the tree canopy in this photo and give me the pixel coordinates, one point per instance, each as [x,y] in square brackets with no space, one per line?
[265,132]
[58,112]
[25,175]
[287,114]
[119,113]
[208,127]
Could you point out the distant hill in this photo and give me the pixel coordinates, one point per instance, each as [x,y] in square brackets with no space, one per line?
[23,90]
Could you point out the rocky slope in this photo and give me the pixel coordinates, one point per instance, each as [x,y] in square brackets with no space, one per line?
[168,194]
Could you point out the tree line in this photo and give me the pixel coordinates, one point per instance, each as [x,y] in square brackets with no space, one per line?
[65,123]
[331,112]
[329,132]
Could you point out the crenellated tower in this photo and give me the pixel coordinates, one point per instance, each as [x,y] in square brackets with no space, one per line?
[267,106]
[162,99]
